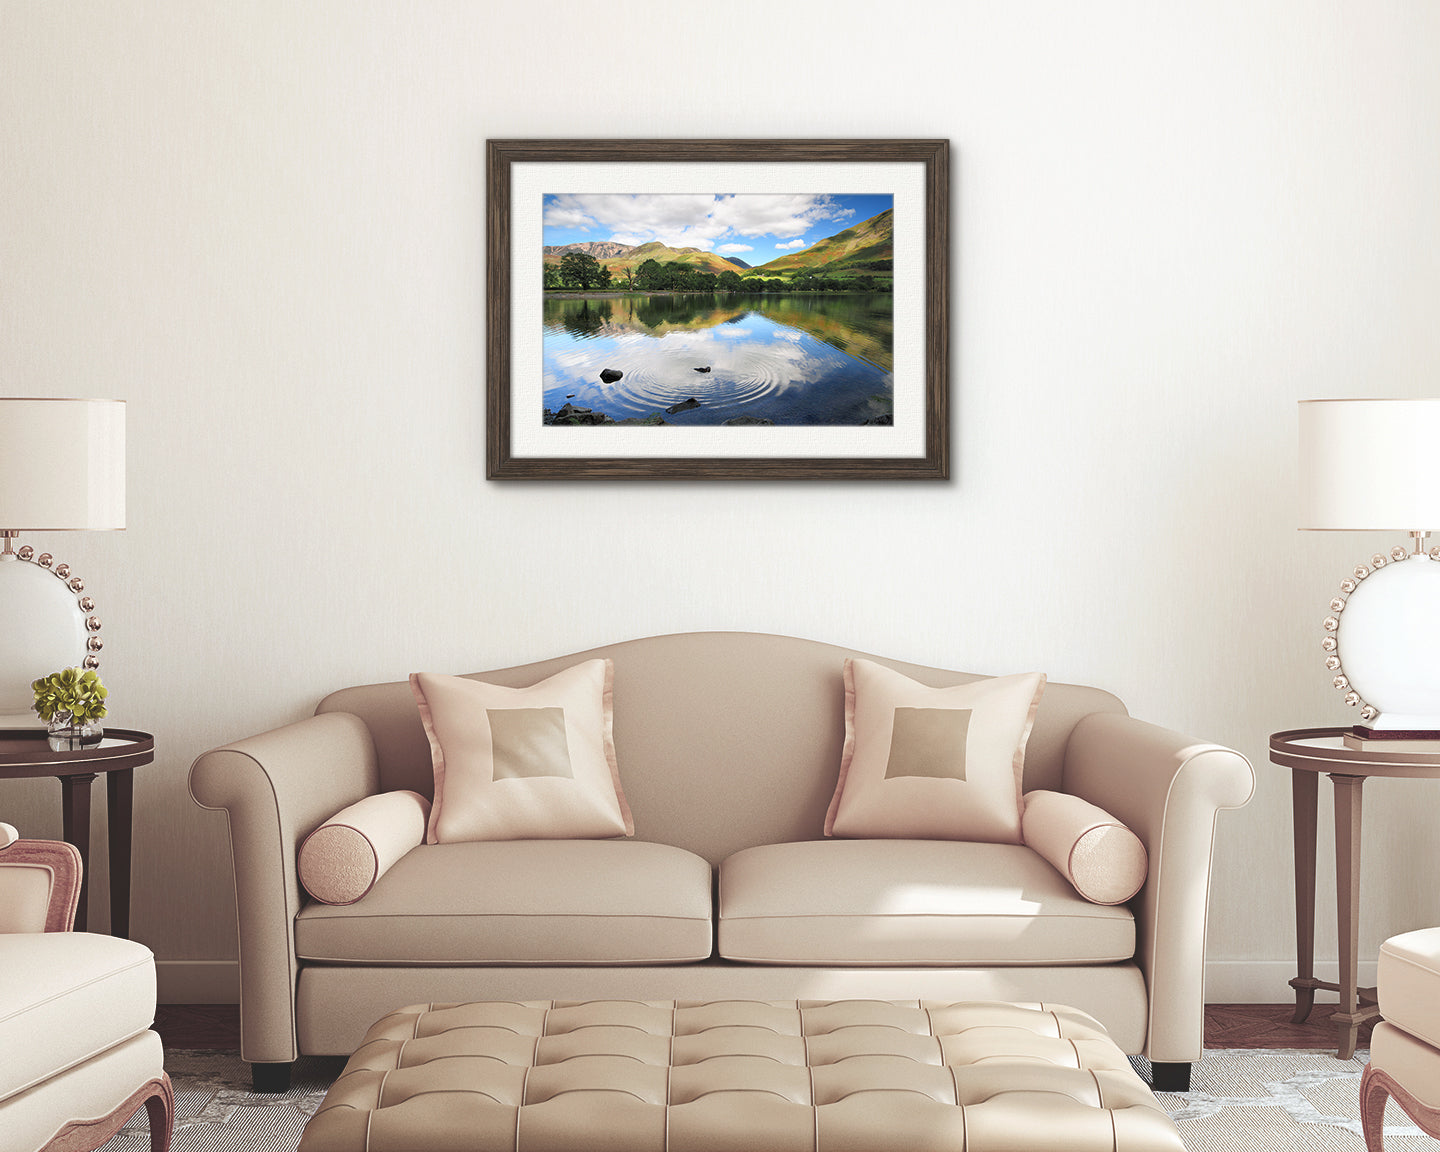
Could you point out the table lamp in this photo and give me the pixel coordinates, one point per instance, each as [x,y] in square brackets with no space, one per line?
[1371,465]
[62,467]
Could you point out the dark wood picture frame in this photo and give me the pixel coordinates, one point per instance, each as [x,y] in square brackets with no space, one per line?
[503,464]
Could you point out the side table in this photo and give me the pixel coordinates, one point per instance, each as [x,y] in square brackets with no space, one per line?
[1308,752]
[25,752]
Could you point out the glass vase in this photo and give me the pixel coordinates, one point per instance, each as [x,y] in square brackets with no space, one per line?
[66,734]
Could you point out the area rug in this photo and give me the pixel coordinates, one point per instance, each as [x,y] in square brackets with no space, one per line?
[1241,1099]
[1264,1099]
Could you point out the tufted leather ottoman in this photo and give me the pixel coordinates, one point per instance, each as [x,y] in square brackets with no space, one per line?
[733,1075]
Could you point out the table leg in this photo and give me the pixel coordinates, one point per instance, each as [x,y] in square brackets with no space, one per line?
[119,809]
[1347,908]
[1304,791]
[75,807]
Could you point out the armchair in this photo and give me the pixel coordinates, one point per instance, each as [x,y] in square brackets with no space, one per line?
[1405,1046]
[79,1058]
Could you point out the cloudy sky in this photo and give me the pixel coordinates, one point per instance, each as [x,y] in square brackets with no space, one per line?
[756,228]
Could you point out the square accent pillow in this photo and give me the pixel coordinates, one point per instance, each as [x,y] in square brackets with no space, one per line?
[533,763]
[925,763]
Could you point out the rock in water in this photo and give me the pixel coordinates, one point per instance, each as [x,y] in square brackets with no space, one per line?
[702,369]
[570,415]
[610,375]
[683,406]
[747,422]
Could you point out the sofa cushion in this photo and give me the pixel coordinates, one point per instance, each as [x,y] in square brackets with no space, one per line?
[910,902]
[932,763]
[522,902]
[1408,981]
[523,763]
[66,996]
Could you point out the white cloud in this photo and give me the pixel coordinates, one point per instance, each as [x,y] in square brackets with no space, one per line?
[567,216]
[731,249]
[692,221]
[783,215]
[792,244]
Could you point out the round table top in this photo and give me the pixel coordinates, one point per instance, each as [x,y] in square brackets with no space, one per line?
[26,752]
[1325,750]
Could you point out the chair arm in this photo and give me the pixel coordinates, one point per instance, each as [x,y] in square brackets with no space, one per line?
[1167,789]
[275,788]
[39,884]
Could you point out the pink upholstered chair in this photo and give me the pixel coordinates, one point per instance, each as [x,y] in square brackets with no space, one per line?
[77,1056]
[1405,1047]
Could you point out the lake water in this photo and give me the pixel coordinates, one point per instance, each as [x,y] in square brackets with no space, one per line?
[789,359]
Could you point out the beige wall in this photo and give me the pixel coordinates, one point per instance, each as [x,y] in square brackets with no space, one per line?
[262,224]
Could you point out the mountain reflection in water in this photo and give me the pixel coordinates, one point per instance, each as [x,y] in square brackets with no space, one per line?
[788,359]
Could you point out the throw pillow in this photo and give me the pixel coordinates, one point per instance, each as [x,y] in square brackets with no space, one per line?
[1104,861]
[932,763]
[342,859]
[533,763]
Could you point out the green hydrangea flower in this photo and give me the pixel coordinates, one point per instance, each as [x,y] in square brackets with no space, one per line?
[70,693]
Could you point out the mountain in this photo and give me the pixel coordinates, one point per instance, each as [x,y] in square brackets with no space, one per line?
[597,248]
[661,254]
[620,258]
[869,247]
[866,247]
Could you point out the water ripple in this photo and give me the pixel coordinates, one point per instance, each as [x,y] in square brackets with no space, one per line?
[757,367]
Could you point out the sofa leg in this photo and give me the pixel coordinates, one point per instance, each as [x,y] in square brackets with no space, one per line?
[1170,1077]
[270,1077]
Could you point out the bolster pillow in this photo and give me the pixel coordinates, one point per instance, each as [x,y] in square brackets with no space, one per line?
[1102,859]
[343,858]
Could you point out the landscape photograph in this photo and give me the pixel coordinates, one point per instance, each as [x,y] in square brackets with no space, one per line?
[718,310]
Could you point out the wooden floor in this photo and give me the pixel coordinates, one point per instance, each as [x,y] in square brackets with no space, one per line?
[1269,1026]
[217,1026]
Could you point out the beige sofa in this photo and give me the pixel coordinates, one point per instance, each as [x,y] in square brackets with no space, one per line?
[728,743]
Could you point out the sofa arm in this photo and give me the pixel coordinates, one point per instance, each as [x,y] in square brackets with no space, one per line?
[274,789]
[1167,789]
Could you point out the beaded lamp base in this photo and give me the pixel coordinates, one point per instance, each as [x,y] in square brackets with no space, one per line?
[47,621]
[1382,639]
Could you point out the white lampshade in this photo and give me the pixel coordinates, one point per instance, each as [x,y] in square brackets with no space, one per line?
[1369,464]
[62,464]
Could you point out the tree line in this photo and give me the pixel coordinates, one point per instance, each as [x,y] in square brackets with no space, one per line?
[579,271]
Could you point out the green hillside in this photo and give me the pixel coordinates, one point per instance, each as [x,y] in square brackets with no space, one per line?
[867,247]
[695,257]
[661,254]
[861,257]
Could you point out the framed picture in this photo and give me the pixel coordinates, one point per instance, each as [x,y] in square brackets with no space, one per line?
[717,309]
